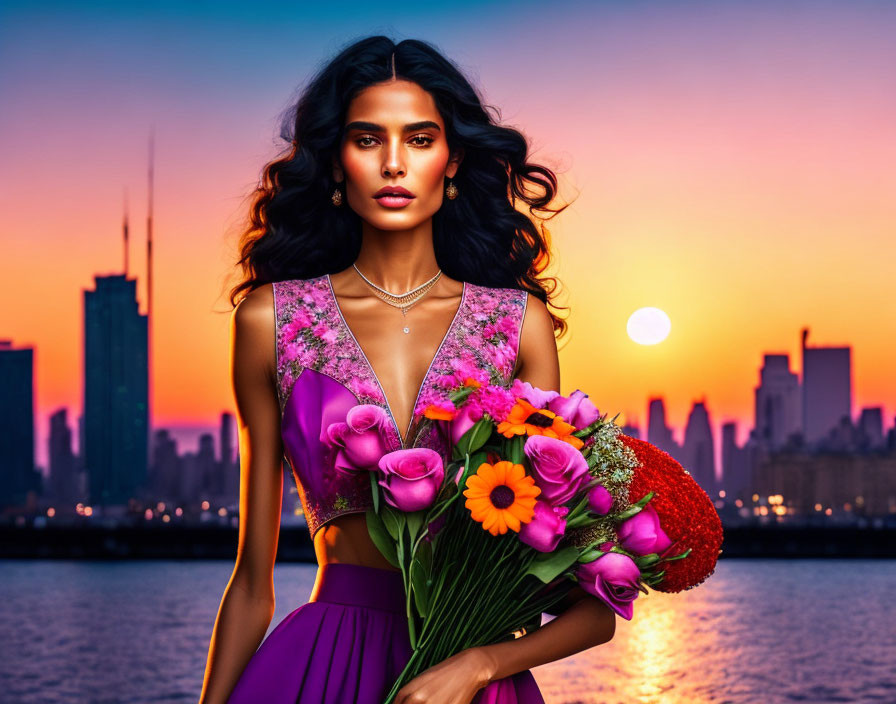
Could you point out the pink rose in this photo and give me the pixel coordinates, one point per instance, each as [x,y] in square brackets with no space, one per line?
[577,409]
[411,478]
[537,397]
[558,468]
[463,420]
[546,528]
[612,578]
[642,534]
[360,440]
[600,500]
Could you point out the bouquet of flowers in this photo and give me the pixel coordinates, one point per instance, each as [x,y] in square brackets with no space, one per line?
[540,492]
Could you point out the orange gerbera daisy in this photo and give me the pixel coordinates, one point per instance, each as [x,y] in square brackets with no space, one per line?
[526,419]
[501,496]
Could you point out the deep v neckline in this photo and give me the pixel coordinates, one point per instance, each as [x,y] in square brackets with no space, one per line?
[448,331]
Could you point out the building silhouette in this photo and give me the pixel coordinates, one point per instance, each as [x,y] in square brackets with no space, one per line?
[18,476]
[871,428]
[165,476]
[827,389]
[116,391]
[698,451]
[736,469]
[64,480]
[777,403]
[198,471]
[229,471]
[658,432]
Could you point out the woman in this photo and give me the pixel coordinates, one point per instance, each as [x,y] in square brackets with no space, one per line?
[397,181]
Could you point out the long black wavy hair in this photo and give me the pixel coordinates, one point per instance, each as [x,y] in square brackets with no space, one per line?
[294,232]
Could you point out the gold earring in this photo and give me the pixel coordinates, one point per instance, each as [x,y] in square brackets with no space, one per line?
[451,190]
[337,197]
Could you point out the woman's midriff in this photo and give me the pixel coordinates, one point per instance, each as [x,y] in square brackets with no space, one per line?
[346,539]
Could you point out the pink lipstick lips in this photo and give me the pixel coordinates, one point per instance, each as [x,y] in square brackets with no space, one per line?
[393,196]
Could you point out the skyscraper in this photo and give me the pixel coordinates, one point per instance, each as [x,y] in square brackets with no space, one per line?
[827,389]
[116,391]
[17,473]
[871,427]
[735,468]
[230,472]
[698,452]
[778,412]
[658,433]
[64,484]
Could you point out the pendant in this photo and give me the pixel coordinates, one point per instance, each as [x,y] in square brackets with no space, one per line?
[404,312]
[406,329]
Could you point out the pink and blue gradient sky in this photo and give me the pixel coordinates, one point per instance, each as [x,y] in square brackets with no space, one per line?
[732,165]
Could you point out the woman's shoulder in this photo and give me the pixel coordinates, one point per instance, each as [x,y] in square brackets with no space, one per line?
[287,284]
[501,299]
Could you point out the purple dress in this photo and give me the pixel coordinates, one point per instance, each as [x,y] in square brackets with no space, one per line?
[351,642]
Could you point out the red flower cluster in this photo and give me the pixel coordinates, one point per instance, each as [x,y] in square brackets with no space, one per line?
[686,514]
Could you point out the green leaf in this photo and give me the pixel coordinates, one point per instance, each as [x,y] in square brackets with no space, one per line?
[415,520]
[644,561]
[479,434]
[642,502]
[515,449]
[424,555]
[476,459]
[419,587]
[547,566]
[375,491]
[391,521]
[381,538]
[590,555]
[627,513]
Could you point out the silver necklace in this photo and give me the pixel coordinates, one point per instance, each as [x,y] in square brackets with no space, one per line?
[404,301]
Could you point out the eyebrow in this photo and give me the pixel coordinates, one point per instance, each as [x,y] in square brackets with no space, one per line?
[374,127]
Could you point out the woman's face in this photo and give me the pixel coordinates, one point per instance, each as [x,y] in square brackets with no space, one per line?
[394,136]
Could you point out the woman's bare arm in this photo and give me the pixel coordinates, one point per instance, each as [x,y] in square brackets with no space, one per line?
[247,606]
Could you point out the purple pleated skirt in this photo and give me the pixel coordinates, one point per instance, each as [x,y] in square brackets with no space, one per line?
[348,646]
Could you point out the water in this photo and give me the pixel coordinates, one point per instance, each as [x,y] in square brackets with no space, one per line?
[756,631]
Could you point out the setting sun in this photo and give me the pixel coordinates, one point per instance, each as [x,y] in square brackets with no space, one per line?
[648,326]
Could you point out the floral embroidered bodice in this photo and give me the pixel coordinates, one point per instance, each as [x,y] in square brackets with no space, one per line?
[322,372]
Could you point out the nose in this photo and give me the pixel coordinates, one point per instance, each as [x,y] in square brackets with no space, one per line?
[392,164]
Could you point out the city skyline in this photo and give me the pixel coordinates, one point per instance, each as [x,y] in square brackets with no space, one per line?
[189,438]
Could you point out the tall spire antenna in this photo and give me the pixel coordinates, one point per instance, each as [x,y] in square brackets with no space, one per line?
[149,355]
[125,232]
[149,229]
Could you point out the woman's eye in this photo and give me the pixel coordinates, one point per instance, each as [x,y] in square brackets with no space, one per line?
[370,141]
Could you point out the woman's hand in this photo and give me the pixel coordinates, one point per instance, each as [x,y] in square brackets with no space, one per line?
[455,680]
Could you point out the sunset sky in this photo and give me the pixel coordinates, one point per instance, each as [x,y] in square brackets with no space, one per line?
[731,163]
